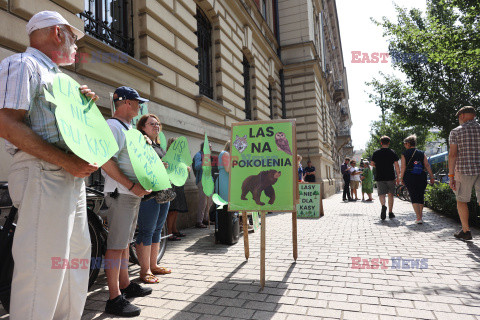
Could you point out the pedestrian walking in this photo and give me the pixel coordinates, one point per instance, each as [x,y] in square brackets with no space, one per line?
[123,194]
[464,164]
[46,180]
[346,180]
[413,175]
[354,179]
[385,160]
[367,181]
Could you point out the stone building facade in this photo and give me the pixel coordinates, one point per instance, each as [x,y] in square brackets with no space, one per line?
[316,85]
[203,65]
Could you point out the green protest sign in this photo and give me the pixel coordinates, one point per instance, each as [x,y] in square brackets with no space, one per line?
[163,140]
[207,179]
[256,221]
[178,158]
[146,164]
[263,163]
[309,200]
[218,200]
[82,126]
[141,112]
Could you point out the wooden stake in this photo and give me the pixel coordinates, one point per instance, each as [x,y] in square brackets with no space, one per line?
[262,252]
[245,235]
[294,235]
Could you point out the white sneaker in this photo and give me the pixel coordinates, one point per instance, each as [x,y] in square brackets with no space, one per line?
[419,221]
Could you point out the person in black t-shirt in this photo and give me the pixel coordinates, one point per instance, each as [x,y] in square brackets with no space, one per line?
[385,160]
[346,179]
[309,172]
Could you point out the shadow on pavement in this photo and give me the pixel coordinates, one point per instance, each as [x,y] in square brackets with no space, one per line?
[238,299]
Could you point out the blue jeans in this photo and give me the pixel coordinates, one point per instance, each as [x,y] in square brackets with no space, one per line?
[151,219]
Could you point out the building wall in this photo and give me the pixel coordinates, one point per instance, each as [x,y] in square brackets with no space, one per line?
[165,42]
[311,53]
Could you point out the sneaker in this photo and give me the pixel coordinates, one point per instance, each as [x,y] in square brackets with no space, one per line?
[135,290]
[200,226]
[391,215]
[120,306]
[383,215]
[463,235]
[419,221]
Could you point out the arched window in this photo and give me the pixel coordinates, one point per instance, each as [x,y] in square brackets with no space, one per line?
[204,35]
[246,87]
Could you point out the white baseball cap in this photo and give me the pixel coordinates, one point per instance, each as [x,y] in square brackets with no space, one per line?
[44,19]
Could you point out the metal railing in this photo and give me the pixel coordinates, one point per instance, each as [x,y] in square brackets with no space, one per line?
[108,21]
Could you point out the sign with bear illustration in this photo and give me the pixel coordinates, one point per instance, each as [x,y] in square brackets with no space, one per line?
[309,200]
[263,164]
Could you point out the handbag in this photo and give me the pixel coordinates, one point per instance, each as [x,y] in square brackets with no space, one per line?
[164,196]
[417,165]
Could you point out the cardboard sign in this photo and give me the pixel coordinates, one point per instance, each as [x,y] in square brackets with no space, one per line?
[82,126]
[207,179]
[146,164]
[263,166]
[178,158]
[256,221]
[309,200]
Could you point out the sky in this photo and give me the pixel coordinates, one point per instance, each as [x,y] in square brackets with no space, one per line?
[359,33]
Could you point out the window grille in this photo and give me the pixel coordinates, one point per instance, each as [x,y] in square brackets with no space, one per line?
[246,87]
[204,35]
[110,21]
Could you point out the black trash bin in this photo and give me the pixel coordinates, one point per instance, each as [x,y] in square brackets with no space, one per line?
[227,227]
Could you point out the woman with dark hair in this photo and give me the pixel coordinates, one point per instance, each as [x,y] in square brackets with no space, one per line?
[152,215]
[179,204]
[413,175]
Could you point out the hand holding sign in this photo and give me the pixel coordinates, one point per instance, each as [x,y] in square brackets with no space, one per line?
[146,164]
[178,158]
[81,124]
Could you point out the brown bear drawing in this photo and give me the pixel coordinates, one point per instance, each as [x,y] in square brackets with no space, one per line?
[256,184]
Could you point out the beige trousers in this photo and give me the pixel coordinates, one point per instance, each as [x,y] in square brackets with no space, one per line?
[51,247]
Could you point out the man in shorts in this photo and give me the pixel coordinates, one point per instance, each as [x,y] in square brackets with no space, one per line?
[464,165]
[123,194]
[385,160]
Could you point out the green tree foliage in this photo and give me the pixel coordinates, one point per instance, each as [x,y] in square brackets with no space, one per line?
[458,44]
[397,128]
[434,88]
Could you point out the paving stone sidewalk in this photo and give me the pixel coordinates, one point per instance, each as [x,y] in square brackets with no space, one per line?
[212,281]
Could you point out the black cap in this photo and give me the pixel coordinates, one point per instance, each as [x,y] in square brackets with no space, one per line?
[467,109]
[127,93]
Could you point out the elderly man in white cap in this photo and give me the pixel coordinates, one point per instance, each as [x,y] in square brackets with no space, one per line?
[51,248]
